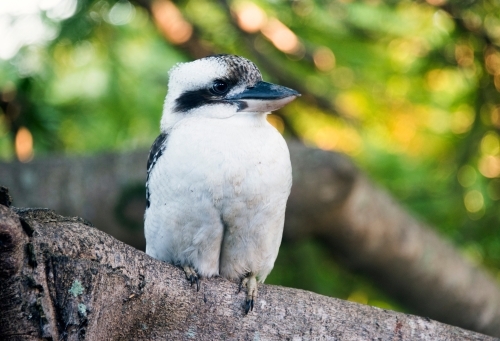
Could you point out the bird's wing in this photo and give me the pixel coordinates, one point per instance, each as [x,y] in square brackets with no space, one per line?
[154,154]
[156,150]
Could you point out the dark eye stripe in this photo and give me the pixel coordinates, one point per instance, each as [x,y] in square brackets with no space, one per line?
[192,99]
[196,98]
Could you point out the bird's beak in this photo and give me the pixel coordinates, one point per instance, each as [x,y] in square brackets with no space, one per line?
[263,97]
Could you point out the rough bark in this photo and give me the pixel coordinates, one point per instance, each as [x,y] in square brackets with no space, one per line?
[62,279]
[330,200]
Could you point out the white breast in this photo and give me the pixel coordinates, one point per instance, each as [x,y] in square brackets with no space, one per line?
[218,196]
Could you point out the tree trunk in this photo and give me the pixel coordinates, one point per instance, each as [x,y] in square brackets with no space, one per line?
[61,279]
[330,200]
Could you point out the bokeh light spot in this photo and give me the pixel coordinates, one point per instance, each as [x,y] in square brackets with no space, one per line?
[326,138]
[462,119]
[473,201]
[24,145]
[464,55]
[490,145]
[438,80]
[489,166]
[495,116]
[121,13]
[251,18]
[276,122]
[170,22]
[324,59]
[281,36]
[466,176]
[492,61]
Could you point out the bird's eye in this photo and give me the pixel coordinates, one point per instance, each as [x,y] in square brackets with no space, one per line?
[219,88]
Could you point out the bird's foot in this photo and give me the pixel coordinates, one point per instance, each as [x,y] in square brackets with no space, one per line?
[192,276]
[250,282]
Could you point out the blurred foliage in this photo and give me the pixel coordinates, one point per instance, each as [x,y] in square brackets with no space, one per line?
[409,89]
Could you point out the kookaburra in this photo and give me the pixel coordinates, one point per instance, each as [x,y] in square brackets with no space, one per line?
[219,175]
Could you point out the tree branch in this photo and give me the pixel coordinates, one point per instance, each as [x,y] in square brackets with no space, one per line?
[70,281]
[331,200]
[374,235]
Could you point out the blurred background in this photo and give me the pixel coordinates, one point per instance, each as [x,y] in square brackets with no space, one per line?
[408,89]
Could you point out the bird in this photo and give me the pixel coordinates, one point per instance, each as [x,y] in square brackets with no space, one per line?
[219,175]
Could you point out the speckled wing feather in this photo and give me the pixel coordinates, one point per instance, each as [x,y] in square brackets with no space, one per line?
[154,154]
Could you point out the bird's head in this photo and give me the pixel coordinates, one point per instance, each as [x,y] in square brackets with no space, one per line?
[220,86]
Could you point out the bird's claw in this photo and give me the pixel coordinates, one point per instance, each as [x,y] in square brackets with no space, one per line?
[194,279]
[248,305]
[192,276]
[251,283]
